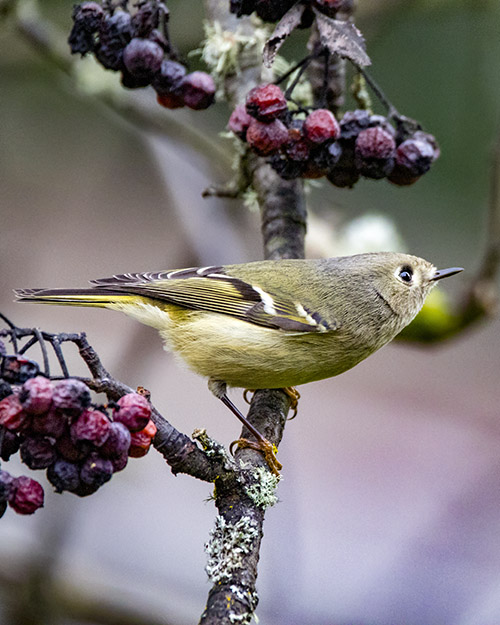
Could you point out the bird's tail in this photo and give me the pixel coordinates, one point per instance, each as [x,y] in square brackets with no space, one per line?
[74,297]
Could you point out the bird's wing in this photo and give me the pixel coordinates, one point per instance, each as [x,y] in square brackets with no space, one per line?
[213,290]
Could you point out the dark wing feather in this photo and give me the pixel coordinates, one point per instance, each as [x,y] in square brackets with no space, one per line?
[211,289]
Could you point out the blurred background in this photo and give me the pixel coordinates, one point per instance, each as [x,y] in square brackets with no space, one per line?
[389,509]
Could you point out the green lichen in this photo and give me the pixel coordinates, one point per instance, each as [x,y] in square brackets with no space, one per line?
[262,491]
[228,545]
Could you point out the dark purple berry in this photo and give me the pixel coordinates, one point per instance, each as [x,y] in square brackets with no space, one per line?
[36,395]
[71,451]
[159,38]
[5,389]
[52,423]
[6,480]
[133,410]
[374,152]
[266,139]
[142,58]
[323,160]
[169,78]
[71,397]
[321,126]
[37,453]
[92,426]
[198,90]
[331,7]
[272,10]
[10,445]
[344,174]
[242,7]
[266,102]
[119,462]
[12,415]
[26,495]
[96,471]
[17,369]
[353,122]
[118,441]
[87,18]
[413,159]
[3,508]
[64,475]
[115,34]
[239,122]
[286,168]
[146,19]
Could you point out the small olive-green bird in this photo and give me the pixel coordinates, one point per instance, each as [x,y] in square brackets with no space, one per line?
[268,324]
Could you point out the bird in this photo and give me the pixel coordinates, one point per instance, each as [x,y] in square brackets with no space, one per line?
[271,323]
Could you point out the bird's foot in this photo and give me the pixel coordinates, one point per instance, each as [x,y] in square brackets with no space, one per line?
[294,396]
[265,447]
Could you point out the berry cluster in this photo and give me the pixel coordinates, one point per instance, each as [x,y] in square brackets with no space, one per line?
[55,427]
[274,10]
[318,145]
[137,46]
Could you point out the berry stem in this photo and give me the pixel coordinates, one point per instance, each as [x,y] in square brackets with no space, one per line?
[392,111]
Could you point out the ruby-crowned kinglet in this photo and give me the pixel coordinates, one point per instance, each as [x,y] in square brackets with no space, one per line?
[268,324]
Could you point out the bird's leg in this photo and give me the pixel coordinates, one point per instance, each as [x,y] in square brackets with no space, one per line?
[263,445]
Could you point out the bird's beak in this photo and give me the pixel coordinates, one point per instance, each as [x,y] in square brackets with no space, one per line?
[445,273]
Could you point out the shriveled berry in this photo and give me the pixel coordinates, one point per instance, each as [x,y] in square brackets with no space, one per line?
[64,475]
[374,152]
[272,10]
[134,82]
[353,122]
[51,423]
[170,100]
[12,415]
[114,35]
[26,495]
[6,480]
[71,451]
[36,395]
[96,471]
[37,453]
[198,90]
[146,19]
[242,7]
[119,462]
[17,369]
[266,102]
[133,410]
[323,160]
[344,173]
[266,139]
[88,18]
[297,148]
[5,389]
[70,397]
[413,159]
[92,426]
[142,58]
[239,122]
[10,445]
[321,126]
[118,441]
[169,78]
[141,441]
[287,168]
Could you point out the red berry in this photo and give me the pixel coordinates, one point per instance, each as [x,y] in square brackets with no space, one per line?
[26,495]
[133,410]
[266,102]
[36,395]
[12,415]
[321,126]
[141,441]
[142,58]
[92,426]
[198,90]
[70,397]
[374,152]
[266,139]
[239,122]
[170,100]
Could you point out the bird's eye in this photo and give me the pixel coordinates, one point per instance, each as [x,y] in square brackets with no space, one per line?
[406,274]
